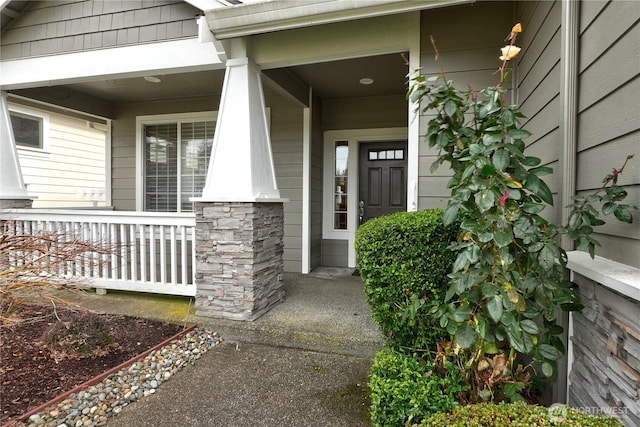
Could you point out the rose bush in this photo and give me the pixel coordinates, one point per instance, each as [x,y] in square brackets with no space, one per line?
[508,283]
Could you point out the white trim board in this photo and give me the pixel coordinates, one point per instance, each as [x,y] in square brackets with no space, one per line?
[353,137]
[120,62]
[306,188]
[621,278]
[43,151]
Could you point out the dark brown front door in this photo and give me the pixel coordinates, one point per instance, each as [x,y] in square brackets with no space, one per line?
[383,178]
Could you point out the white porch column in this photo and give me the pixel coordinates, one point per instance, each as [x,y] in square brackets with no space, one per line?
[13,192]
[240,217]
[241,166]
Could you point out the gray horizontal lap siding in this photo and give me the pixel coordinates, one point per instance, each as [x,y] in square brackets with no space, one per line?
[60,27]
[468,38]
[609,113]
[538,89]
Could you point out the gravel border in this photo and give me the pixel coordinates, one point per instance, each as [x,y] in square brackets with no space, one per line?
[94,405]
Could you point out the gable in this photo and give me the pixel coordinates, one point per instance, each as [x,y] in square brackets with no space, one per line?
[53,27]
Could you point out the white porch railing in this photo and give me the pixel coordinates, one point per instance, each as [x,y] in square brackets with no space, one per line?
[149,251]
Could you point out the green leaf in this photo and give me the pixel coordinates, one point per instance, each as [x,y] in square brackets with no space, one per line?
[541,171]
[515,337]
[516,398]
[450,107]
[530,327]
[501,159]
[483,327]
[623,215]
[515,194]
[488,170]
[450,293]
[609,208]
[533,208]
[473,253]
[468,171]
[485,237]
[488,289]
[460,262]
[507,117]
[539,188]
[494,307]
[492,138]
[544,192]
[509,390]
[519,133]
[485,200]
[547,369]
[549,352]
[531,161]
[462,313]
[435,165]
[503,237]
[450,213]
[490,348]
[546,257]
[476,149]
[442,139]
[575,220]
[465,335]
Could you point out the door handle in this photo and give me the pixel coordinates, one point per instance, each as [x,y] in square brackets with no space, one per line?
[361,204]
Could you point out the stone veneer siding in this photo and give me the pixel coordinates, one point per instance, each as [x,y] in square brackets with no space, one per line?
[239,258]
[16,203]
[605,373]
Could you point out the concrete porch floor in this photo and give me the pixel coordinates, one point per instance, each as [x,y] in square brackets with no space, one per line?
[324,311]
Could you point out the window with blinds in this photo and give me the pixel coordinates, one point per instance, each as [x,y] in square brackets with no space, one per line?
[27,129]
[176,157]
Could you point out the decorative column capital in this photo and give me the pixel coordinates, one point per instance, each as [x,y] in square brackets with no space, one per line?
[241,167]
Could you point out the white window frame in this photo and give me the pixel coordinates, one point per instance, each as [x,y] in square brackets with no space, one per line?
[39,114]
[141,121]
[353,137]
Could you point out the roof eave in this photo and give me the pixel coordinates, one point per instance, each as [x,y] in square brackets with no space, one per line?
[257,18]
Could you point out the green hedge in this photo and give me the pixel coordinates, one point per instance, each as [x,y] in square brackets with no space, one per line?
[516,415]
[405,389]
[404,261]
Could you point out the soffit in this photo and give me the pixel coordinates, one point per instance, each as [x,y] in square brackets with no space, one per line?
[262,17]
[10,10]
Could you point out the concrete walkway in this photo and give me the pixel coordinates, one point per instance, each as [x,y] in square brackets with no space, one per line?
[305,362]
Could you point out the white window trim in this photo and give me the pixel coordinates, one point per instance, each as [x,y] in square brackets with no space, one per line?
[45,150]
[141,121]
[353,137]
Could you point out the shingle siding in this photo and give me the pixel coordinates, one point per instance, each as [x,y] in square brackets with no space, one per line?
[52,27]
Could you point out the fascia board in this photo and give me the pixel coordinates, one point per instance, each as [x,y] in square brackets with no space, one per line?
[204,4]
[131,61]
[257,18]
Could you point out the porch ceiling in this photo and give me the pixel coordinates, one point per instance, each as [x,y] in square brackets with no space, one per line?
[336,79]
[169,86]
[341,79]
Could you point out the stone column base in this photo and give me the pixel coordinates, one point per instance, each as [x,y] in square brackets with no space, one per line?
[239,258]
[16,203]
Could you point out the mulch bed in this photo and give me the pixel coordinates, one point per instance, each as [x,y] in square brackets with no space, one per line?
[32,374]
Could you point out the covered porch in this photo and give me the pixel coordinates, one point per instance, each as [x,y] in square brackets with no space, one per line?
[220,118]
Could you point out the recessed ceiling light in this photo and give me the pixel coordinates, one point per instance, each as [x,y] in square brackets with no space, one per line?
[366,81]
[152,79]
